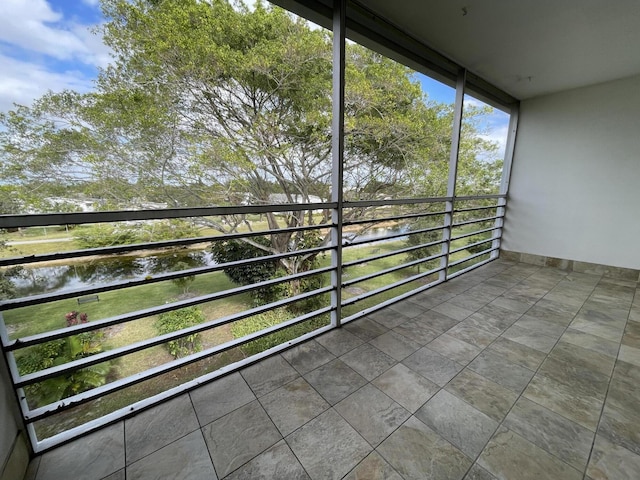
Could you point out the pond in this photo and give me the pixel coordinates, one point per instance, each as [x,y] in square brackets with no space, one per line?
[103,271]
[106,270]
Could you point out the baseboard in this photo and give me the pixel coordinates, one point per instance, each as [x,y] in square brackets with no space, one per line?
[573,265]
[18,460]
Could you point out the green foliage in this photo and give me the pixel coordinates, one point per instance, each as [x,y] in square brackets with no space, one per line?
[59,352]
[425,237]
[106,235]
[256,323]
[178,320]
[234,250]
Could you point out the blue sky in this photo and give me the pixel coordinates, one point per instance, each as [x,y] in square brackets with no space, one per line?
[49,45]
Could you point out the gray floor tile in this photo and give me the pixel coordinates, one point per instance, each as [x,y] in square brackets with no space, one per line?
[417,452]
[622,425]
[590,342]
[561,437]
[485,395]
[365,328]
[372,413]
[417,331]
[478,473]
[368,361]
[517,353]
[395,345]
[407,309]
[119,475]
[220,397]
[158,427]
[335,380]
[239,436]
[293,405]
[564,400]
[339,341]
[471,301]
[406,387]
[432,366]
[511,304]
[458,422]
[92,457]
[631,337]
[328,447]
[470,334]
[269,374]
[629,355]
[184,458]
[307,356]
[374,467]
[580,379]
[550,329]
[454,348]
[509,456]
[389,318]
[497,369]
[451,310]
[277,462]
[530,338]
[437,322]
[610,461]
[494,325]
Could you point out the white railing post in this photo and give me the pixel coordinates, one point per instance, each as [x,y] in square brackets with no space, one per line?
[453,171]
[506,176]
[337,156]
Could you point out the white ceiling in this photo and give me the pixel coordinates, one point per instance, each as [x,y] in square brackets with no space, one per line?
[526,47]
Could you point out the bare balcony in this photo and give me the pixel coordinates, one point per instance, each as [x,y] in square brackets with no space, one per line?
[510,371]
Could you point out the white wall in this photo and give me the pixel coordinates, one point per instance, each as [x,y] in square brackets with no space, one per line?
[575,183]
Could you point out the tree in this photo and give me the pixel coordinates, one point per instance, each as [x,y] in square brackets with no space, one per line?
[206,103]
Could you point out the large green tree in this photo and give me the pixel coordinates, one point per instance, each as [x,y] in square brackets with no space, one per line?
[208,103]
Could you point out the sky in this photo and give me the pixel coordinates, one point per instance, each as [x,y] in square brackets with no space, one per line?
[49,45]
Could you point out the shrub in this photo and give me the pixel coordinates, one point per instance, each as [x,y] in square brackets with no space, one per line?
[177,320]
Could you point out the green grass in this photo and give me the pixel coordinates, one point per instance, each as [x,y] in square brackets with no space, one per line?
[42,318]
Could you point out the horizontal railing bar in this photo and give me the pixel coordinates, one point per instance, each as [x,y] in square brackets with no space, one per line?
[474,209]
[391,269]
[390,286]
[75,365]
[394,235]
[50,297]
[397,217]
[395,201]
[480,197]
[491,239]
[474,233]
[391,254]
[92,252]
[78,218]
[471,257]
[470,267]
[107,322]
[134,408]
[479,220]
[75,400]
[391,301]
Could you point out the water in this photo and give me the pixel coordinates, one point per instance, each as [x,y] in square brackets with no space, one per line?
[103,271]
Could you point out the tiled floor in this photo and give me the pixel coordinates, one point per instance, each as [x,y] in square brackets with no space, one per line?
[510,372]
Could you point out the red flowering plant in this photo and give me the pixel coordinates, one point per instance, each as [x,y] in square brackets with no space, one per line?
[73,318]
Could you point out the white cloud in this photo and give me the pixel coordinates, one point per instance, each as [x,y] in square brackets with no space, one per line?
[34,40]
[34,26]
[21,82]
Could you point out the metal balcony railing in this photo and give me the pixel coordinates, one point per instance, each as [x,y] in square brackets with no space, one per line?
[426,242]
